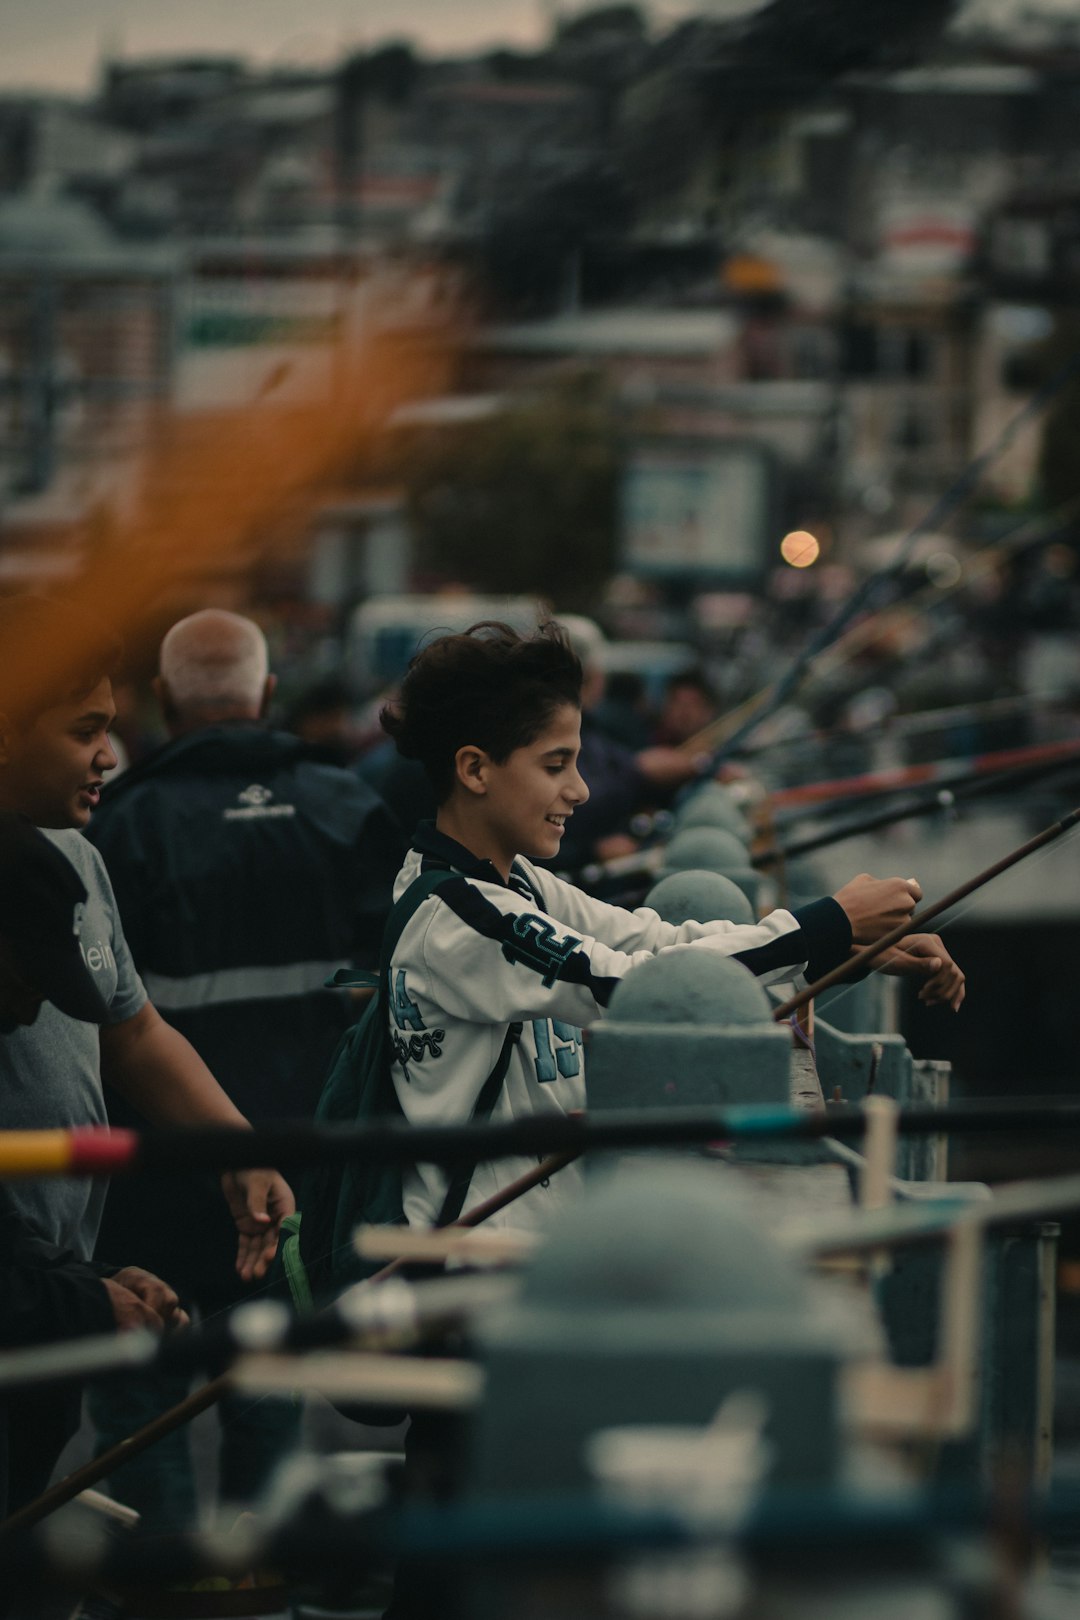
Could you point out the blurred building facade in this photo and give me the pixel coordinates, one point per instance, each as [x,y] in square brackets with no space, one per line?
[86,339]
[847,271]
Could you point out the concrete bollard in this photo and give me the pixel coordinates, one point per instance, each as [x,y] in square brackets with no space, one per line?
[699,896]
[689,1026]
[713,806]
[712,849]
[650,1303]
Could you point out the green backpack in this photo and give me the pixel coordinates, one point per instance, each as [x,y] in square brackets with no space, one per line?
[317,1253]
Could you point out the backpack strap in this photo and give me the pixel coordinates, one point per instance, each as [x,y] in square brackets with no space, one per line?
[405,910]
[399,919]
[461,1179]
[407,906]
[401,914]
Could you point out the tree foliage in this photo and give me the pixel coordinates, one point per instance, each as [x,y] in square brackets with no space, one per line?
[602,23]
[539,233]
[525,501]
[818,40]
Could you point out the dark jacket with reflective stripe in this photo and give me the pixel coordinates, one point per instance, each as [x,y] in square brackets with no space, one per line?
[245,872]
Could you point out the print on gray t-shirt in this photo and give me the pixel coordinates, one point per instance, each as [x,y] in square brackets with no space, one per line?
[50,1073]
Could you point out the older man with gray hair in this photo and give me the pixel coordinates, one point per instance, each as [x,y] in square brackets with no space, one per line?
[246,872]
[214,668]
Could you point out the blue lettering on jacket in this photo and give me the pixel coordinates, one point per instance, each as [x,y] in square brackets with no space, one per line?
[535,946]
[552,1060]
[406,1012]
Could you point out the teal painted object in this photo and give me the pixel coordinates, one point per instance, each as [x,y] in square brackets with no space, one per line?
[1015,1407]
[699,896]
[688,1026]
[853,1063]
[652,1301]
[713,806]
[748,1122]
[713,849]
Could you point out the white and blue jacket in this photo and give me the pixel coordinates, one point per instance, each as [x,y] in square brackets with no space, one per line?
[481,953]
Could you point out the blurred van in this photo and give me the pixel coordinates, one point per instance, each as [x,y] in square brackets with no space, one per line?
[654,662]
[384,633]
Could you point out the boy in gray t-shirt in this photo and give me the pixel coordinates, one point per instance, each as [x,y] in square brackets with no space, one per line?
[51,1071]
[46,1291]
[54,754]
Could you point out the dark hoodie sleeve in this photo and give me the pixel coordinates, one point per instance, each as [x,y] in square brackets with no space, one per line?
[45,1292]
[827,932]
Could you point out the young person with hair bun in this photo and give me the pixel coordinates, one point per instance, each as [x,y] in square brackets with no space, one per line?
[495,719]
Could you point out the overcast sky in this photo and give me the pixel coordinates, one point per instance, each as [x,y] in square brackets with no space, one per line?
[58,44]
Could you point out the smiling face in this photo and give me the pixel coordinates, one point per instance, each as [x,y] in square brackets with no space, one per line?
[52,770]
[518,807]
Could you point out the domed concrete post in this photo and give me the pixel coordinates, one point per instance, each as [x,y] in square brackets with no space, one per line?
[655,1299]
[699,896]
[713,849]
[689,1026]
[713,806]
[650,1304]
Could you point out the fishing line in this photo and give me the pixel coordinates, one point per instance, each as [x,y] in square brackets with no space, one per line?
[962,909]
[865,593]
[1023,536]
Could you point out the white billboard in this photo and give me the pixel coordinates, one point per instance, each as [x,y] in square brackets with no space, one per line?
[696,509]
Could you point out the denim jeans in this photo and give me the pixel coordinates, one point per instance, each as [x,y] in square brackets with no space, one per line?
[160,1483]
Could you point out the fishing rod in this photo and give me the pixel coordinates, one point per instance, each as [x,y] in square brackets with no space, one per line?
[869,956]
[96,1150]
[490,1206]
[943,799]
[915,722]
[975,785]
[364,1318]
[1026,536]
[405,1314]
[943,772]
[864,593]
[188,1148]
[1024,765]
[258,1325]
[965,714]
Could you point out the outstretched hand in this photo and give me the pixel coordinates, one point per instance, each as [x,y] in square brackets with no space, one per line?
[875,906]
[258,1201]
[669,767]
[141,1300]
[923,956]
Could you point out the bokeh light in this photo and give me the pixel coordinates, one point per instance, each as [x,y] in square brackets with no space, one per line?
[800,549]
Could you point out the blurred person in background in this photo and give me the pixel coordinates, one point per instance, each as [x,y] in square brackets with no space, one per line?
[322,717]
[402,784]
[689,706]
[622,781]
[624,713]
[134,732]
[247,869]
